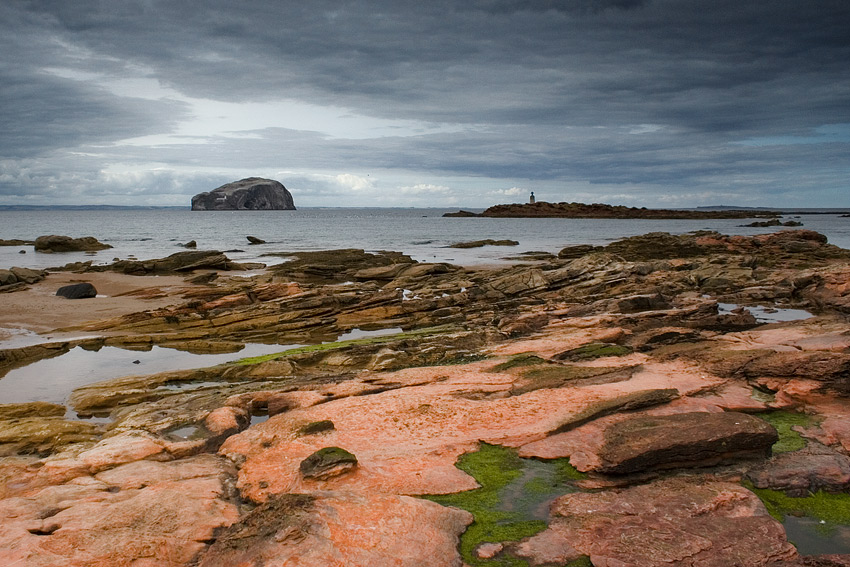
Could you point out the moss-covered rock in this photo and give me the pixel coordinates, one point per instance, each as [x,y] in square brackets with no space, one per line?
[316,427]
[593,351]
[327,463]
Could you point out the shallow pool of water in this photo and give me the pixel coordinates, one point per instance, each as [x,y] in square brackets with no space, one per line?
[767,314]
[53,379]
[815,537]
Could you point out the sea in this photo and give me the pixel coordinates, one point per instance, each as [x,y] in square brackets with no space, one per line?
[424,234]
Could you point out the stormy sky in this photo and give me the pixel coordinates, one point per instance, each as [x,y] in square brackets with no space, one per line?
[666,103]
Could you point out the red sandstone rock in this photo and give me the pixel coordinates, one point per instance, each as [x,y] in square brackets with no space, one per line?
[810,469]
[669,522]
[342,529]
[141,519]
[226,420]
[119,449]
[408,439]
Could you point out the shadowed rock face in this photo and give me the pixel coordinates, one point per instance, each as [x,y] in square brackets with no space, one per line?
[689,439]
[251,194]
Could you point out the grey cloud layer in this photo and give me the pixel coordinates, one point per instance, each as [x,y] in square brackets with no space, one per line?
[543,90]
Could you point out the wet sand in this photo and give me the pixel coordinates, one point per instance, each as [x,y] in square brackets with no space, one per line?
[38,308]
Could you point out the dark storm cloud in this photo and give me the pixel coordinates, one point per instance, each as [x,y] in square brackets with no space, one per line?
[656,92]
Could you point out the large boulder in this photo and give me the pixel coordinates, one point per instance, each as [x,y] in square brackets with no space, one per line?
[251,194]
[83,290]
[700,523]
[689,439]
[55,243]
[328,462]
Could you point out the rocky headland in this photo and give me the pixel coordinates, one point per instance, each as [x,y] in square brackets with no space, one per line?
[250,194]
[543,209]
[614,406]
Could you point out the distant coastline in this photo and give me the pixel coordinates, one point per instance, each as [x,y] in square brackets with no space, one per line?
[87,207]
[543,209]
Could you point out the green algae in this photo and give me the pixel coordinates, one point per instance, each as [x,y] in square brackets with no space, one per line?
[593,351]
[834,509]
[783,421]
[519,361]
[512,502]
[418,333]
[316,427]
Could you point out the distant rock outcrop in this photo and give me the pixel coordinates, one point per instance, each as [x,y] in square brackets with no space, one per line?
[251,194]
[542,209]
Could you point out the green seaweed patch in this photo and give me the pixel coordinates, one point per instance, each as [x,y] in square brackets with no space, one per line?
[519,361]
[557,376]
[558,373]
[458,360]
[418,333]
[593,351]
[507,507]
[825,506]
[583,561]
[783,421]
[566,472]
[316,427]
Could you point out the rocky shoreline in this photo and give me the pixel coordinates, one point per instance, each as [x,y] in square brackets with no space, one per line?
[615,405]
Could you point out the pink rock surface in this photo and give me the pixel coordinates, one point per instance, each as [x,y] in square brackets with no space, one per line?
[407,440]
[664,523]
[342,529]
[141,519]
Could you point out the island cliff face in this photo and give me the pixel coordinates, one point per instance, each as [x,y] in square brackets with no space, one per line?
[251,194]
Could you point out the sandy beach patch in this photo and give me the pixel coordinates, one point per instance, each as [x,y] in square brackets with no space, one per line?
[39,309]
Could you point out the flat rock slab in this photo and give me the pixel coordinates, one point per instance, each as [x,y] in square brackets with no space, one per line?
[688,439]
[815,467]
[670,522]
[342,528]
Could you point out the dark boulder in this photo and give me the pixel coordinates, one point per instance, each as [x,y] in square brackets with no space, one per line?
[683,440]
[190,244]
[251,194]
[571,252]
[255,240]
[326,463]
[640,303]
[486,242]
[77,291]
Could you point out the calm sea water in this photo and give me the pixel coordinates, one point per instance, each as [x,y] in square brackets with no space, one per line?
[422,233]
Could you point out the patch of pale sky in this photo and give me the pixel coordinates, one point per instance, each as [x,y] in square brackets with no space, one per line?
[828,133]
[210,118]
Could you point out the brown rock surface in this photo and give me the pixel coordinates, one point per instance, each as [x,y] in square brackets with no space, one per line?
[812,468]
[688,439]
[55,243]
[331,528]
[694,522]
[141,519]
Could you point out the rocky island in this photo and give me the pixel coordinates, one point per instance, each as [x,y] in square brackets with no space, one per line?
[630,405]
[250,194]
[543,209]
